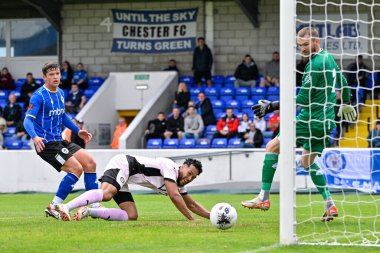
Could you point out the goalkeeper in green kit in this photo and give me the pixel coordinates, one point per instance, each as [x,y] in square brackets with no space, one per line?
[314,124]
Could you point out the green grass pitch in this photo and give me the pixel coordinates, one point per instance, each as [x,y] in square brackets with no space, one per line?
[161,228]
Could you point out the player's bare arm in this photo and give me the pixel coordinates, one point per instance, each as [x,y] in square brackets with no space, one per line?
[85,135]
[38,142]
[195,207]
[176,198]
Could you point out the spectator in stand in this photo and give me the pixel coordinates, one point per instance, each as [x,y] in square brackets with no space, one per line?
[156,127]
[27,89]
[12,112]
[260,124]
[193,124]
[300,70]
[6,80]
[69,136]
[75,100]
[227,126]
[274,121]
[172,66]
[202,63]
[67,75]
[243,126]
[253,138]
[357,77]
[80,77]
[247,73]
[21,133]
[119,130]
[174,125]
[374,136]
[181,97]
[3,129]
[204,108]
[272,71]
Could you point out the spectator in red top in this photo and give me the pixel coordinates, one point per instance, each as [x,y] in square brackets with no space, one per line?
[6,81]
[274,121]
[227,126]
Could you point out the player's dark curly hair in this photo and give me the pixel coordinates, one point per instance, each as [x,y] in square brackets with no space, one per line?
[197,164]
[49,66]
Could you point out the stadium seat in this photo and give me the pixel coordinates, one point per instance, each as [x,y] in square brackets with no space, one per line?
[88,93]
[266,140]
[267,116]
[154,144]
[273,97]
[239,115]
[170,144]
[187,143]
[212,93]
[26,145]
[10,132]
[247,104]
[3,103]
[95,81]
[248,111]
[218,104]
[189,80]
[234,143]
[219,143]
[4,95]
[232,103]
[229,81]
[39,81]
[16,93]
[217,81]
[202,143]
[227,94]
[219,115]
[258,93]
[209,131]
[297,90]
[10,143]
[20,82]
[218,112]
[273,90]
[371,79]
[267,134]
[242,93]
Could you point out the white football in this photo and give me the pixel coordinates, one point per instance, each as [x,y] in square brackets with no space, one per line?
[223,216]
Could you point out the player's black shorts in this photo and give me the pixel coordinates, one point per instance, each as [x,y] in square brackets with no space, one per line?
[56,153]
[123,195]
[199,74]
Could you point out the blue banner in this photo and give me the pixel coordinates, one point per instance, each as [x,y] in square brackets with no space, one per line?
[154,31]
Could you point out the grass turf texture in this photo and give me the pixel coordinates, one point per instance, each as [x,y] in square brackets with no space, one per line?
[161,228]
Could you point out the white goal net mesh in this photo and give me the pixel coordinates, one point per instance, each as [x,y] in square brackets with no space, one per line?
[350,32]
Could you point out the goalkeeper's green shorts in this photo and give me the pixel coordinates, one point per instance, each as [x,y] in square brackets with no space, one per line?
[315,141]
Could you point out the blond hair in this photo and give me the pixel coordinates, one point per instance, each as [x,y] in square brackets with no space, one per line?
[311,31]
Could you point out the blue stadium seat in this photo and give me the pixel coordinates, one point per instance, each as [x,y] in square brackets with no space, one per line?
[273,97]
[219,143]
[187,143]
[229,81]
[249,112]
[266,140]
[234,143]
[218,112]
[16,93]
[195,91]
[20,82]
[217,80]
[209,131]
[247,104]
[22,105]
[258,93]
[3,103]
[242,93]
[273,90]
[267,134]
[170,144]
[239,115]
[189,80]
[88,93]
[154,143]
[371,79]
[267,116]
[218,104]
[232,103]
[202,143]
[39,81]
[95,81]
[4,95]
[227,94]
[212,93]
[10,132]
[26,144]
[219,115]
[10,143]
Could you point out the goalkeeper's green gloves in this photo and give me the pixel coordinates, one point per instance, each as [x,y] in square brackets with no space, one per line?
[347,112]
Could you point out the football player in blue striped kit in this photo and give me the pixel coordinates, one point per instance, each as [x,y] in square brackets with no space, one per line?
[43,122]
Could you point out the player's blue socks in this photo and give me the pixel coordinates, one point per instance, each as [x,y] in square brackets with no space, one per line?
[66,185]
[90,181]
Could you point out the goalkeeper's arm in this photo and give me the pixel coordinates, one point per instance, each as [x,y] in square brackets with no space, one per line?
[264,107]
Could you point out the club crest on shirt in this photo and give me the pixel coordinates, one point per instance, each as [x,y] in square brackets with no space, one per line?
[65,151]
[30,107]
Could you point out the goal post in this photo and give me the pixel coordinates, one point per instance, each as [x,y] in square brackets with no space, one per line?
[286,163]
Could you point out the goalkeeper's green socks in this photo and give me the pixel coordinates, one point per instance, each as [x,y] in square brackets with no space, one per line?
[319,181]
[269,168]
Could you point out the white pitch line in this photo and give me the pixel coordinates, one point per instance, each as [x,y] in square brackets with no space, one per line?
[263,249]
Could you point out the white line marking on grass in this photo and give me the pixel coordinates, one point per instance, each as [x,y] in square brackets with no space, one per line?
[263,249]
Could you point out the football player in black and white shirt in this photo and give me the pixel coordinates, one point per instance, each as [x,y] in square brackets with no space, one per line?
[160,174]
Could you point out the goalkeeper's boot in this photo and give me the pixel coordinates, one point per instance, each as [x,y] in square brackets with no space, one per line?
[256,203]
[63,211]
[50,211]
[330,214]
[81,213]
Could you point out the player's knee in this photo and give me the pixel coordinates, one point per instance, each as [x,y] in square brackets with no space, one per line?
[133,216]
[77,170]
[90,165]
[272,147]
[107,196]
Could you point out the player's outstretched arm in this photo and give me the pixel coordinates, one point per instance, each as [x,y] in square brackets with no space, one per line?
[264,107]
[29,127]
[195,207]
[176,198]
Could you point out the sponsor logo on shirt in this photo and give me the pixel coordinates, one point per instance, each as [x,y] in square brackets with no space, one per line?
[56,112]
